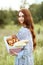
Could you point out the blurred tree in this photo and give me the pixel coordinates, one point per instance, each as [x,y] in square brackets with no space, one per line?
[7,16]
[37,12]
[1,17]
[24,3]
[14,16]
[41,10]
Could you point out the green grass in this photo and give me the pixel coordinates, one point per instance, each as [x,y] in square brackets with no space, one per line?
[38,53]
[38,56]
[6,59]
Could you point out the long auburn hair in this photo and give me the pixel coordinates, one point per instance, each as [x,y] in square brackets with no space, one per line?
[28,21]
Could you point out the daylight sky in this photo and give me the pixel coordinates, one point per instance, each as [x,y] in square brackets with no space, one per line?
[15,4]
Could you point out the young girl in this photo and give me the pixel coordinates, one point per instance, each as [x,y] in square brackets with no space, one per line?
[25,56]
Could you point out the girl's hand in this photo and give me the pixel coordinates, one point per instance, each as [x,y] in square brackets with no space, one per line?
[12,52]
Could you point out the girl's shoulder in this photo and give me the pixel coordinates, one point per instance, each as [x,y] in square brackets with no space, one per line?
[24,30]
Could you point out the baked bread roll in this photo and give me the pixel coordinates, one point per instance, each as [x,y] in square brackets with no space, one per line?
[11,40]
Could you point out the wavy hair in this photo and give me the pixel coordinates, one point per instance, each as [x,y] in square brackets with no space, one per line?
[28,21]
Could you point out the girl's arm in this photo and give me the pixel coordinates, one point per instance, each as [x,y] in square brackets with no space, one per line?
[12,52]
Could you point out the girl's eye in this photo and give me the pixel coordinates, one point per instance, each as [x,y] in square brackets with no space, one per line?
[21,16]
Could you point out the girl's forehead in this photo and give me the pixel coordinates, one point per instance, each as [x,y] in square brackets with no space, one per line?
[20,13]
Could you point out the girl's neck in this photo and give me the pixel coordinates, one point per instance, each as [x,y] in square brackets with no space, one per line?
[24,25]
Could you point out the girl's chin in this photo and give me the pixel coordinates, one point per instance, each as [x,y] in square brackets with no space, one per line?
[21,22]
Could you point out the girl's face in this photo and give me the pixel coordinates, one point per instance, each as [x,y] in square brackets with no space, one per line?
[21,17]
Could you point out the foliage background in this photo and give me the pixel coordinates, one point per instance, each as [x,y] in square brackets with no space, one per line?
[9,25]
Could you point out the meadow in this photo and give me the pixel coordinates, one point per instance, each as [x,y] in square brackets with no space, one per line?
[7,59]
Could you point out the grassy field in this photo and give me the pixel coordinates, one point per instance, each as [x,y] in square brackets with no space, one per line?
[6,59]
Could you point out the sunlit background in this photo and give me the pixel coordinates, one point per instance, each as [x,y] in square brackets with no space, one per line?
[15,4]
[9,26]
